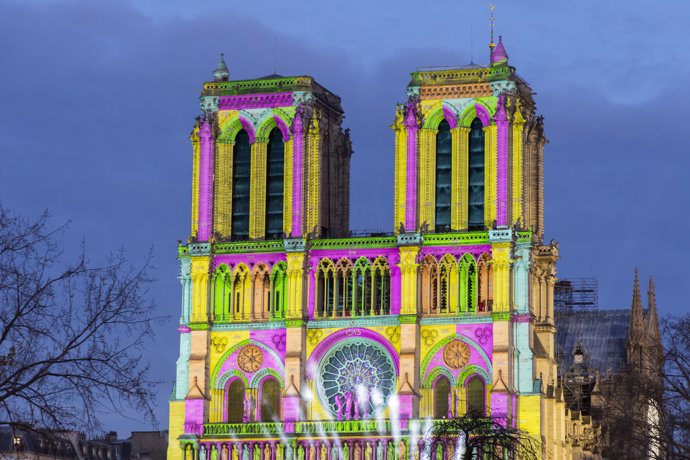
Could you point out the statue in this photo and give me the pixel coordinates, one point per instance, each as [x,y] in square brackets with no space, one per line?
[402,451]
[300,452]
[379,450]
[267,452]
[450,404]
[390,451]
[247,409]
[348,405]
[288,451]
[358,451]
[339,407]
[368,451]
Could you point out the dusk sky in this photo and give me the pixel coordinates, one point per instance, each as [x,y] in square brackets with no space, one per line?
[97,99]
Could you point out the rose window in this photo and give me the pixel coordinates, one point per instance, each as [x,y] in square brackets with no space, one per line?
[356,379]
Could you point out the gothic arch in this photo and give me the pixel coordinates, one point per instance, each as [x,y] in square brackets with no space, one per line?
[229,352]
[477,110]
[437,372]
[272,120]
[438,114]
[234,126]
[441,343]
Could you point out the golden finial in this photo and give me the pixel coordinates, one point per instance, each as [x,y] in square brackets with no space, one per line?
[491,21]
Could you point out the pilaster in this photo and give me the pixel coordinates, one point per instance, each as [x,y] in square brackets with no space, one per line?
[411,123]
[194,137]
[427,177]
[257,187]
[287,179]
[399,196]
[489,175]
[460,171]
[222,209]
[501,164]
[408,279]
[297,175]
[200,289]
[516,164]
[314,176]
[206,152]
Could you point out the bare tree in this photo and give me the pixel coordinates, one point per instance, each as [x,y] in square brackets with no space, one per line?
[485,437]
[71,335]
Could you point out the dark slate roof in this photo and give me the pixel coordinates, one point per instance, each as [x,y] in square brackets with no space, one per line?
[601,333]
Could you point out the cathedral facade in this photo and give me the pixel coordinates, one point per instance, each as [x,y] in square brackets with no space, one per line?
[300,340]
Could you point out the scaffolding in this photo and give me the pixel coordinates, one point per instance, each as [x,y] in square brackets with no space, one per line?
[576,294]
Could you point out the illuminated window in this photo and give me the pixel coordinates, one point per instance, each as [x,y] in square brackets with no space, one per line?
[476,175]
[441,396]
[443,176]
[240,186]
[475,397]
[274,185]
[270,401]
[236,402]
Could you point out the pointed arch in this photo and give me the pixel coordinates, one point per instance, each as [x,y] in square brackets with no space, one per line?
[222,293]
[234,126]
[438,114]
[381,286]
[476,396]
[477,110]
[441,392]
[485,298]
[448,285]
[261,290]
[241,293]
[467,268]
[325,286]
[343,287]
[429,273]
[361,287]
[279,290]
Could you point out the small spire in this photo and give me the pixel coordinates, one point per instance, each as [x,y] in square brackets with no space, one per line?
[637,313]
[499,56]
[652,315]
[221,73]
[491,22]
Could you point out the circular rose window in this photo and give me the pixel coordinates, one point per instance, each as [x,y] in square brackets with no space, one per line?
[355,379]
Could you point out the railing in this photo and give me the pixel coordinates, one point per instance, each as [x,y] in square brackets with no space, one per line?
[305,428]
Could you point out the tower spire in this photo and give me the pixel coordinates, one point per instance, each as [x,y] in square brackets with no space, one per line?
[221,73]
[491,22]
[652,315]
[637,314]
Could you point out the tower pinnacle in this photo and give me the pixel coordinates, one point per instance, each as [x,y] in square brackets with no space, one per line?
[221,73]
[491,22]
[652,315]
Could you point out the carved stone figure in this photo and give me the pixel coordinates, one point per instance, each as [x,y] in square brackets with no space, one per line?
[339,407]
[348,405]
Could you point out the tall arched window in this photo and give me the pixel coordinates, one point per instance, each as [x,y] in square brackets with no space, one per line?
[325,287]
[476,404]
[468,283]
[222,294]
[262,290]
[381,287]
[429,286]
[274,185]
[486,282]
[443,176]
[241,300]
[270,401]
[236,402]
[441,397]
[362,287]
[241,159]
[278,291]
[476,175]
[343,287]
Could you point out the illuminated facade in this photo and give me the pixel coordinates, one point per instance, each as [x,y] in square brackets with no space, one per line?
[300,341]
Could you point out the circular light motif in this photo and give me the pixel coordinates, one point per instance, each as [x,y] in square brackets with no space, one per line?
[360,371]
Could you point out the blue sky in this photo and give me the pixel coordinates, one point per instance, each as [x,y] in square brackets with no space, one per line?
[97,99]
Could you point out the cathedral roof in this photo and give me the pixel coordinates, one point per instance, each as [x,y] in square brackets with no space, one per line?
[602,335]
